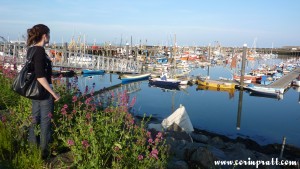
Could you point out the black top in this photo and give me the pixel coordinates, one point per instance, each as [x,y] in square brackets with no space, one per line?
[41,66]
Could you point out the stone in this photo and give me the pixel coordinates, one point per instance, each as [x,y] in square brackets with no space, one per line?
[202,157]
[239,152]
[218,153]
[217,142]
[178,165]
[199,138]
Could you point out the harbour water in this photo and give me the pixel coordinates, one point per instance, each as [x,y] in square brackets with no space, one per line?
[264,120]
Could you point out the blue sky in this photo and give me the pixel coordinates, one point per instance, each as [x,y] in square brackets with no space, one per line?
[195,22]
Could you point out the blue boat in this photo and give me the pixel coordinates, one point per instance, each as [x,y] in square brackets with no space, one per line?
[90,71]
[134,77]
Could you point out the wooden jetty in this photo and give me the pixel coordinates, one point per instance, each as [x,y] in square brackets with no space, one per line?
[286,80]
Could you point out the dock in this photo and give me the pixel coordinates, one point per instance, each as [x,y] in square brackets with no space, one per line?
[286,80]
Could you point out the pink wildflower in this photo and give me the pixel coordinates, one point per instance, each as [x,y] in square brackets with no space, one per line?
[117,148]
[70,143]
[150,140]
[50,115]
[3,119]
[63,111]
[148,134]
[85,143]
[88,116]
[74,99]
[154,153]
[65,106]
[159,135]
[140,157]
[88,100]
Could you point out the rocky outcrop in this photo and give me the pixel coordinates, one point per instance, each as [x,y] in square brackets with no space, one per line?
[201,150]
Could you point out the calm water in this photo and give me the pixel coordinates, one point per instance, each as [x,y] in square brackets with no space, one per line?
[265,120]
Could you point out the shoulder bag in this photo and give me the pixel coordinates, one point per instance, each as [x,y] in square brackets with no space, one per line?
[26,83]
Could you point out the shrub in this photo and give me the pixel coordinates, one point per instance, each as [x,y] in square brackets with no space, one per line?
[107,137]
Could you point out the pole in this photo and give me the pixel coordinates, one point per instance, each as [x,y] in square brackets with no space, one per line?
[282,147]
[127,50]
[243,66]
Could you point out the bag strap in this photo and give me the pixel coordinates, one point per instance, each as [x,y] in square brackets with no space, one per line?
[30,55]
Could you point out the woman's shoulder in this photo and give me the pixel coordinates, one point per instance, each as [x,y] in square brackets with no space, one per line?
[37,50]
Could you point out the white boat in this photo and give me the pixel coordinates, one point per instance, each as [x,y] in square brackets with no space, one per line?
[265,90]
[245,80]
[296,82]
[180,118]
[134,77]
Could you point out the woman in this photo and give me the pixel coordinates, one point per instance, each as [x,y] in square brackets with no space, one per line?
[37,37]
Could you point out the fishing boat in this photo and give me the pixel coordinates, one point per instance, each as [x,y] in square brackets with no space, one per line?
[90,71]
[134,77]
[215,84]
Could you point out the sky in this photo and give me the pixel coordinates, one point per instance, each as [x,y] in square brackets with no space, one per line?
[258,23]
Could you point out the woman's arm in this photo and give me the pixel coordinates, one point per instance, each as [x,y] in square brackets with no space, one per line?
[43,81]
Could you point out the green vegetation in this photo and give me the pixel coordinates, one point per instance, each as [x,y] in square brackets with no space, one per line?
[91,135]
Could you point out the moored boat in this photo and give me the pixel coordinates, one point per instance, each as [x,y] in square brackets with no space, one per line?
[216,84]
[253,78]
[164,81]
[265,90]
[90,71]
[296,82]
[134,77]
[229,90]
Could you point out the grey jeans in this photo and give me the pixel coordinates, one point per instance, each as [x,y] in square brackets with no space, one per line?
[40,116]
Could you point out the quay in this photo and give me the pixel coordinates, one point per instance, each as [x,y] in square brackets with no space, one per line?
[286,80]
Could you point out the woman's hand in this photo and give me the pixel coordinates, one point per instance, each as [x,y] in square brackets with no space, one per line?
[56,97]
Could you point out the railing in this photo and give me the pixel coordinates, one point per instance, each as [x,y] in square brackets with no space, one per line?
[86,61]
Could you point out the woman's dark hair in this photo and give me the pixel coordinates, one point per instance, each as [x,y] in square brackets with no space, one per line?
[35,34]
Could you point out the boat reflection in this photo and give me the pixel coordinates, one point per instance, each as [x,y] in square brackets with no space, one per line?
[229,90]
[240,107]
[165,88]
[271,96]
